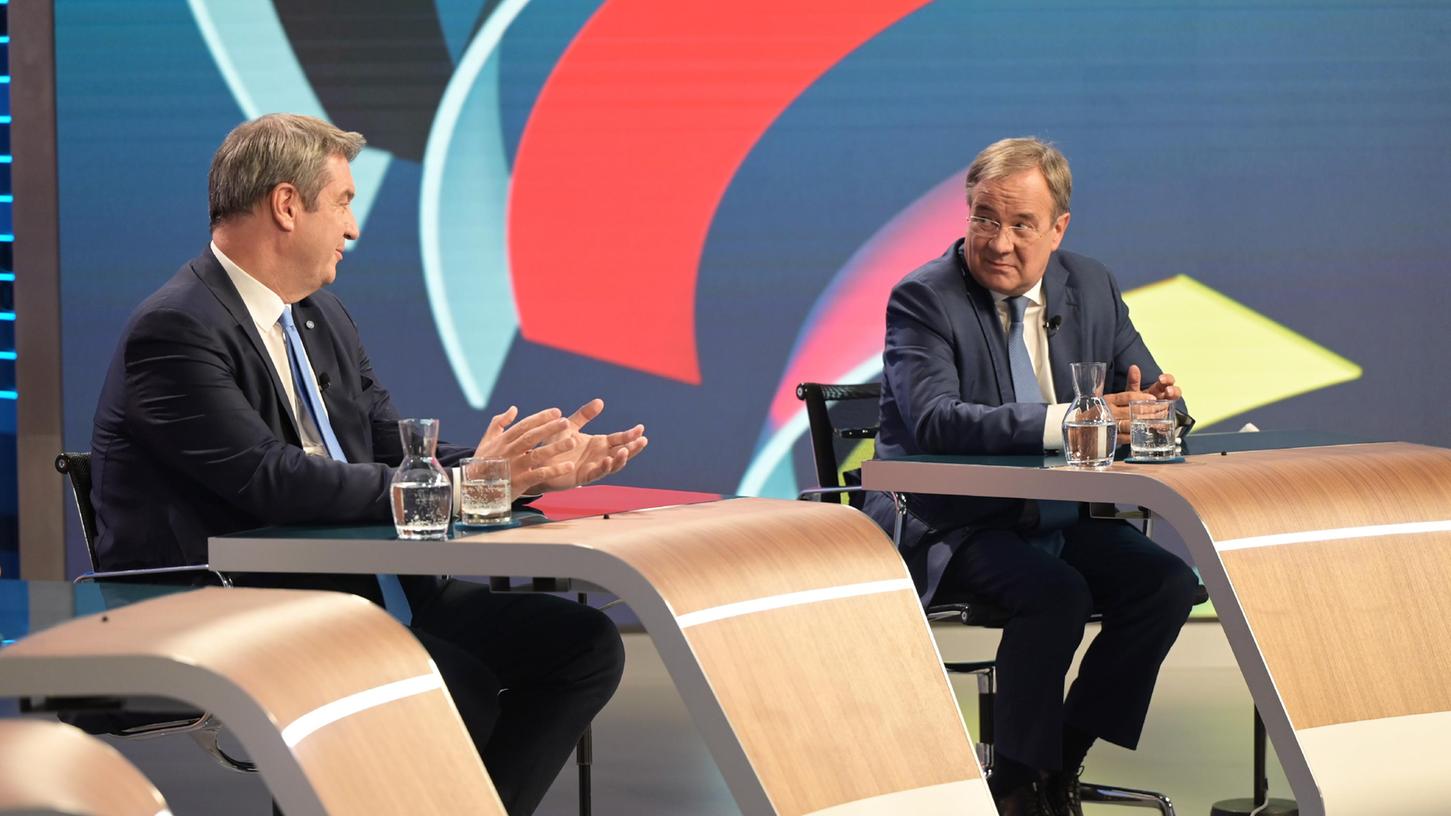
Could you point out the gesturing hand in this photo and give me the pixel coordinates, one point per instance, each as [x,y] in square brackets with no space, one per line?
[529,461]
[1162,388]
[589,457]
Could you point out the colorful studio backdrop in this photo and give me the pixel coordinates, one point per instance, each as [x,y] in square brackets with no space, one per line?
[688,207]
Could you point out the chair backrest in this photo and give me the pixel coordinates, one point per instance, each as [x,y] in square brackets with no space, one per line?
[54,768]
[77,467]
[841,417]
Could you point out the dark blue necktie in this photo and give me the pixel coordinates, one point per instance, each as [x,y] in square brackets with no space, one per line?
[1025,382]
[306,385]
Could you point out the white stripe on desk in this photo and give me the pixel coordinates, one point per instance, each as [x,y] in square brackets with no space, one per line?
[1333,534]
[329,713]
[810,596]
[948,799]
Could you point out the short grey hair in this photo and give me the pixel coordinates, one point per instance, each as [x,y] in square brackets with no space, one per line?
[1009,157]
[271,150]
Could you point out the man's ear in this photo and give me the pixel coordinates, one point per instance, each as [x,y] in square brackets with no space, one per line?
[1060,227]
[283,205]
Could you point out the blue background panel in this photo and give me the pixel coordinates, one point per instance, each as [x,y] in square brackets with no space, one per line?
[1291,156]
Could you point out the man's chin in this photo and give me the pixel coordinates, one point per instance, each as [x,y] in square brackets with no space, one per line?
[1003,282]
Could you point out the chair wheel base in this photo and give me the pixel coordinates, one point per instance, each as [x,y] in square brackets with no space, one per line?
[1244,807]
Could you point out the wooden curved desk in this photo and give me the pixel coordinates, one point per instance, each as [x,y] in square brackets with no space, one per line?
[1329,568]
[47,767]
[790,628]
[339,706]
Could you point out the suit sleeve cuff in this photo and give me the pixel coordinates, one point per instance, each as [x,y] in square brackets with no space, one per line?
[1053,426]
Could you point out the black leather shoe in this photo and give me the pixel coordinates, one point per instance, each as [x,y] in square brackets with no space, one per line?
[1060,790]
[1024,800]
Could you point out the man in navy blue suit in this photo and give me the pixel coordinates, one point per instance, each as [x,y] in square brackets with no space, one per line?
[240,396]
[976,361]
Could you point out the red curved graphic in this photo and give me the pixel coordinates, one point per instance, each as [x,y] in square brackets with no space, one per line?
[629,148]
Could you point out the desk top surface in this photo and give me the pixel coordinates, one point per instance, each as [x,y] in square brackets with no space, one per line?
[584,502]
[1193,445]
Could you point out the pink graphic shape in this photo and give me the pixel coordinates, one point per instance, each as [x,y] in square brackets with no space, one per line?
[849,321]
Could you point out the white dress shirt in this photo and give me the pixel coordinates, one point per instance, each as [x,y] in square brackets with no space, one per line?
[265,307]
[1035,335]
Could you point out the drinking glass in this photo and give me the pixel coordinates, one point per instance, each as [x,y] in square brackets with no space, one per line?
[1151,429]
[486,489]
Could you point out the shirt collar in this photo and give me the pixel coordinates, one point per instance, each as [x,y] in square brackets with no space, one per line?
[1034,295]
[262,303]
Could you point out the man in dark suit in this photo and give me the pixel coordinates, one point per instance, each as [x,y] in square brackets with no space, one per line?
[240,396]
[977,356]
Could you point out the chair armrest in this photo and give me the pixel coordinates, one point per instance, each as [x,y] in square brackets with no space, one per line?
[970,666]
[945,612]
[977,613]
[118,575]
[815,493]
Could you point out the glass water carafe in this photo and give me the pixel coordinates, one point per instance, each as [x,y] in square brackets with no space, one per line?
[1089,427]
[422,493]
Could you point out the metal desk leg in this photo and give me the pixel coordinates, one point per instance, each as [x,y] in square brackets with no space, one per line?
[1245,807]
[584,751]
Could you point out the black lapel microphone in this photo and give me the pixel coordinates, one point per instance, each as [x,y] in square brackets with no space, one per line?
[1051,326]
[323,381]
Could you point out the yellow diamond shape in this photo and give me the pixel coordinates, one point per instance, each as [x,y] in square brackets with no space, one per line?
[1228,357]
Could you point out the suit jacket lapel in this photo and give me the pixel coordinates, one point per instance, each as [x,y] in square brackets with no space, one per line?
[991,327]
[210,272]
[1065,346]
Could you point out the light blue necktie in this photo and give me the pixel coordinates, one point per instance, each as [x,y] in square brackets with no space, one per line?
[1026,389]
[1025,382]
[394,598]
[306,384]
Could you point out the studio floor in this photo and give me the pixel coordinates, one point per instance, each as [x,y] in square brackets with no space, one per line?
[650,760]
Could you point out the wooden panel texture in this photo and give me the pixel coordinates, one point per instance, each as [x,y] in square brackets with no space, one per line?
[833,700]
[703,555]
[1280,491]
[294,652]
[1356,629]
[1352,628]
[832,703]
[49,767]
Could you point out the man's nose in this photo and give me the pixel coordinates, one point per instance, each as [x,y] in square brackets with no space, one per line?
[350,229]
[1002,242]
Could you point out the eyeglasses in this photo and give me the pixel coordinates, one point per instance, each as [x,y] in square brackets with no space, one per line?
[988,228]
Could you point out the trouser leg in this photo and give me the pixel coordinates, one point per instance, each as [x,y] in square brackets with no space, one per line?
[528,673]
[1048,601]
[1144,593]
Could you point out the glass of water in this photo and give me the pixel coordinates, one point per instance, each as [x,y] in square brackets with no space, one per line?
[1088,424]
[486,490]
[421,492]
[1151,429]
